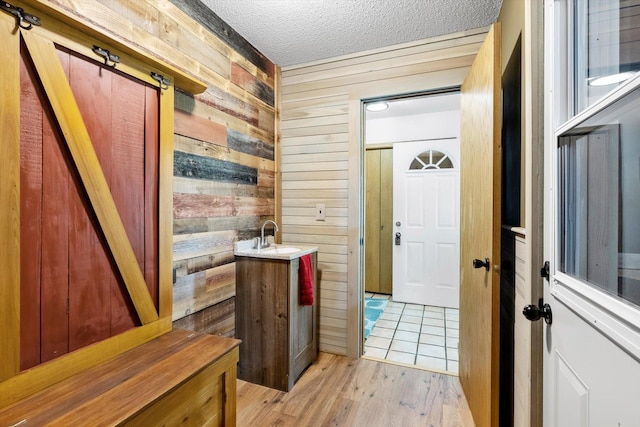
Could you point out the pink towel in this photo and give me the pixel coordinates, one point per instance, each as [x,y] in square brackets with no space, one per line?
[306,280]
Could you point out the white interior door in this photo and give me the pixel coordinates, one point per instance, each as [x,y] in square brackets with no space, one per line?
[426,212]
[592,240]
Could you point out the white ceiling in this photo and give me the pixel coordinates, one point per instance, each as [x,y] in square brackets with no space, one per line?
[417,105]
[294,32]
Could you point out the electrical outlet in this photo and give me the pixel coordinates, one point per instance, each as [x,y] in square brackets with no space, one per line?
[320,212]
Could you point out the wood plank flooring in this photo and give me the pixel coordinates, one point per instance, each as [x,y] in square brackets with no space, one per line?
[338,391]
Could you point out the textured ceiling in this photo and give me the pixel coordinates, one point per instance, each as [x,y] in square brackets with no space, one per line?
[293,32]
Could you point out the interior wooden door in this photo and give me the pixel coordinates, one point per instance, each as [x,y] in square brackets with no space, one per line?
[73,292]
[386,221]
[378,220]
[480,178]
[372,221]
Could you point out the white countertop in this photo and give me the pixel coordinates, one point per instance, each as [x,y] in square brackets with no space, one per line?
[283,251]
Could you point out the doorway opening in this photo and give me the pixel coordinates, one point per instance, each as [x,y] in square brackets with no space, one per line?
[416,273]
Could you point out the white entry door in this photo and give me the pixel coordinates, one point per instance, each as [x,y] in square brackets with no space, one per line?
[592,352]
[592,205]
[426,216]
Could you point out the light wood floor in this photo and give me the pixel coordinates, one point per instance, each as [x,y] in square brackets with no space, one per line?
[338,391]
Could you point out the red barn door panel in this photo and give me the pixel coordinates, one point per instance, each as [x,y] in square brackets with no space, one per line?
[72,291]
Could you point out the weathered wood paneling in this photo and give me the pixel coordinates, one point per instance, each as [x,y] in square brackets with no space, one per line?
[321,155]
[217,26]
[198,186]
[216,320]
[203,289]
[251,84]
[229,111]
[187,246]
[248,144]
[199,167]
[201,205]
[199,128]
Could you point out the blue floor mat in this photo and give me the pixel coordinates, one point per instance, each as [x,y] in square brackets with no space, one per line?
[373,308]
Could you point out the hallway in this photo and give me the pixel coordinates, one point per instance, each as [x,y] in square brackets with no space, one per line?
[339,391]
[413,334]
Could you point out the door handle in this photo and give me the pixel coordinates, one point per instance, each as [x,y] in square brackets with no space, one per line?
[398,239]
[479,263]
[533,312]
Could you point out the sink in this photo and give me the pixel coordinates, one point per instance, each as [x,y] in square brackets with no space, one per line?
[281,250]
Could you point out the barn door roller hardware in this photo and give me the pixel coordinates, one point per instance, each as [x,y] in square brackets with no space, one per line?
[108,56]
[164,82]
[25,20]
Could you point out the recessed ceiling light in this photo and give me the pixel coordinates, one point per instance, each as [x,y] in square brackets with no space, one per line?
[377,106]
[610,79]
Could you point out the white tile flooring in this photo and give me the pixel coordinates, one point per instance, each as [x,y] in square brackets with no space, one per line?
[414,334]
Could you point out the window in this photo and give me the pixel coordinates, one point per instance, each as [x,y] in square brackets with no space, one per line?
[606,47]
[599,200]
[431,159]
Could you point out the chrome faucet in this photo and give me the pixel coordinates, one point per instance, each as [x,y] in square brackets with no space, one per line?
[262,242]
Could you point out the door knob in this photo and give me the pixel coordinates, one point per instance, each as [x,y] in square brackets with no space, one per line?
[479,263]
[533,312]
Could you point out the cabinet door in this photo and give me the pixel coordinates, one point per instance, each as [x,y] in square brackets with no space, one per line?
[302,323]
[386,221]
[379,220]
[262,320]
[372,222]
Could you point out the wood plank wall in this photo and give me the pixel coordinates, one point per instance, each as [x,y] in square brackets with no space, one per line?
[322,158]
[224,169]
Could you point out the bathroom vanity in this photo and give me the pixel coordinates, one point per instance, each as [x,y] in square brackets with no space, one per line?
[279,335]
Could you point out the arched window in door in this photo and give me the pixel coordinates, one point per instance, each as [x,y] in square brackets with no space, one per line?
[431,159]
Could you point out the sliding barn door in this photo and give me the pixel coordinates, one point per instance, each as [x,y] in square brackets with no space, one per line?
[85,195]
[78,195]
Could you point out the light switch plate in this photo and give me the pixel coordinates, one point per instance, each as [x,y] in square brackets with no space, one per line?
[320,212]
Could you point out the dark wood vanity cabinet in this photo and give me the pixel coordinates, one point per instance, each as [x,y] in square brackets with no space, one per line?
[279,336]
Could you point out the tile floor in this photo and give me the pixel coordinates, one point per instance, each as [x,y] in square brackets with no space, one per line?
[414,334]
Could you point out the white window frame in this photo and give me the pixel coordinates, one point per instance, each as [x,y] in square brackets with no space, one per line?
[613,317]
[454,162]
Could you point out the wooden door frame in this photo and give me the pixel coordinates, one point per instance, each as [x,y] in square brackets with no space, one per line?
[61,27]
[357,118]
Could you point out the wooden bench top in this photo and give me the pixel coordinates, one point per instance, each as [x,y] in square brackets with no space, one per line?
[114,391]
